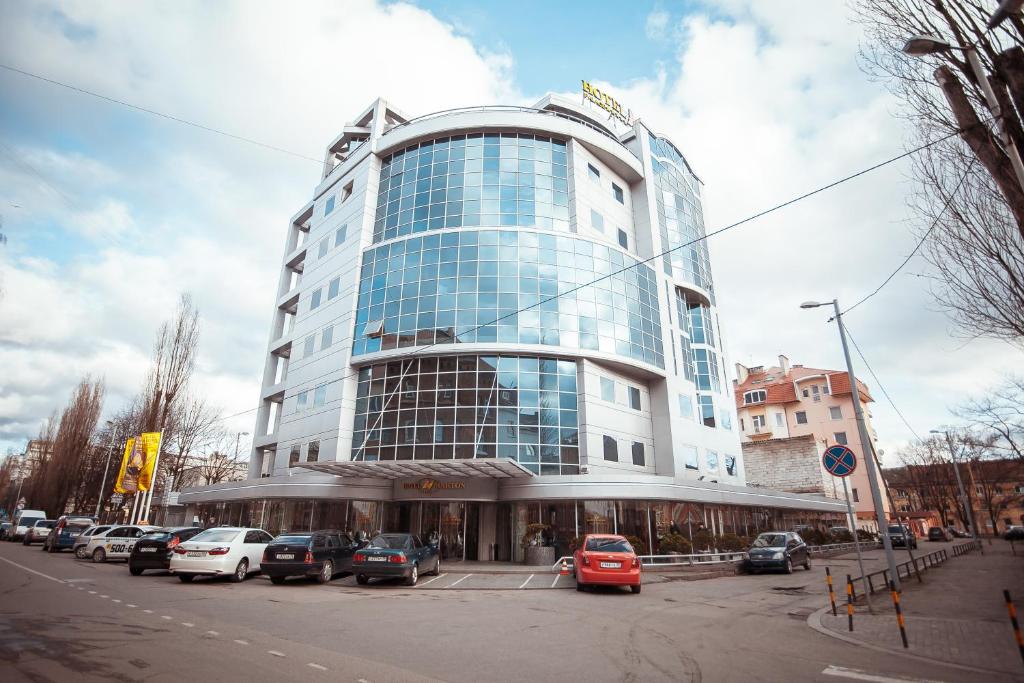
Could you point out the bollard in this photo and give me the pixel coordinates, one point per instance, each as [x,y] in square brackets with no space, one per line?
[1013,622]
[899,613]
[831,593]
[849,601]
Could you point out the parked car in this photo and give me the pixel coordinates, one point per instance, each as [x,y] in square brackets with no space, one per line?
[956,533]
[82,541]
[901,536]
[1014,533]
[68,529]
[222,551]
[5,528]
[937,533]
[391,556]
[38,532]
[23,519]
[115,543]
[154,550]
[778,550]
[606,560]
[317,554]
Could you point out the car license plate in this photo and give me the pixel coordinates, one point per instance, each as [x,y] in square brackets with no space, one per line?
[286,556]
[195,553]
[377,559]
[610,565]
[147,550]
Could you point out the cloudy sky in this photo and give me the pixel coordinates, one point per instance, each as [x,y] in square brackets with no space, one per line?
[111,213]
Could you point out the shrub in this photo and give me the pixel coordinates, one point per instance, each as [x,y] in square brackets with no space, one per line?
[730,543]
[703,540]
[842,537]
[639,547]
[814,537]
[865,535]
[674,543]
[533,531]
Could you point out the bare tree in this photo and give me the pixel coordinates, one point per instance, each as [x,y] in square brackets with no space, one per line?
[220,466]
[968,190]
[1000,412]
[193,427]
[994,482]
[174,357]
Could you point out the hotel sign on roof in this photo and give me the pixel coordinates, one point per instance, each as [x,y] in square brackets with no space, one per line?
[607,102]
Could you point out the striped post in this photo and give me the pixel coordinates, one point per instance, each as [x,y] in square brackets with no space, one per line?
[849,601]
[831,592]
[899,613]
[1013,621]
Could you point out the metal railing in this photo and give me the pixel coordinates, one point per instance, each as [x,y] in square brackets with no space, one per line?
[692,560]
[842,547]
[964,548]
[879,581]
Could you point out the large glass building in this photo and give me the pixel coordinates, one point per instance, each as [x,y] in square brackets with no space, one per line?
[492,318]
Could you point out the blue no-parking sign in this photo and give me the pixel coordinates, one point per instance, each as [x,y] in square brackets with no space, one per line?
[840,461]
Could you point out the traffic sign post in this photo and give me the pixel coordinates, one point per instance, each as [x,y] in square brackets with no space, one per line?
[841,462]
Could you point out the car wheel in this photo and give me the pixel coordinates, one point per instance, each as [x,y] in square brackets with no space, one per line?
[635,589]
[788,568]
[25,541]
[52,549]
[437,566]
[362,579]
[277,580]
[80,552]
[99,555]
[241,571]
[135,571]
[580,586]
[326,573]
[44,547]
[186,578]
[807,563]
[414,576]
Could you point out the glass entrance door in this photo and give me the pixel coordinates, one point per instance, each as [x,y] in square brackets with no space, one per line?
[455,528]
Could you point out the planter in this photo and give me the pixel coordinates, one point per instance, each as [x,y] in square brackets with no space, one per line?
[537,555]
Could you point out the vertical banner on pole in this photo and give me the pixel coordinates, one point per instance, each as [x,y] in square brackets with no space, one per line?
[151,445]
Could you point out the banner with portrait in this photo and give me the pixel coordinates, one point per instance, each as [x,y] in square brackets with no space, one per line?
[150,447]
[119,483]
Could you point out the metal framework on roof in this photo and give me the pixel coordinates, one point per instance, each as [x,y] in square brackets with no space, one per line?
[483,468]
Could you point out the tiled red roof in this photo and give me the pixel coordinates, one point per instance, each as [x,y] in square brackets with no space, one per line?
[781,390]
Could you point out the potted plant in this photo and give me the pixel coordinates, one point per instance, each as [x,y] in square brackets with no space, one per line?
[534,552]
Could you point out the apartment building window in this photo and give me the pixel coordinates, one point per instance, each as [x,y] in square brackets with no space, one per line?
[309,346]
[690,458]
[314,300]
[730,465]
[778,419]
[313,451]
[346,191]
[757,420]
[332,288]
[638,453]
[743,425]
[725,417]
[759,396]
[320,396]
[617,192]
[594,174]
[815,393]
[611,449]
[835,412]
[293,456]
[327,338]
[301,401]
[340,234]
[686,406]
[634,398]
[325,244]
[608,389]
[840,438]
[806,393]
[596,220]
[856,498]
[707,410]
[801,417]
[712,461]
[329,206]
[623,239]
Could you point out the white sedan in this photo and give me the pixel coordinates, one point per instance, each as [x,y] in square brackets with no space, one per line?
[115,543]
[221,551]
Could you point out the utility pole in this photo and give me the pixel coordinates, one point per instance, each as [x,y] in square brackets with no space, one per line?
[964,499]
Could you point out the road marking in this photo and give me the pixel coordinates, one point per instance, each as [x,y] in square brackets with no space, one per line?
[527,581]
[32,571]
[164,616]
[556,580]
[148,611]
[116,600]
[212,633]
[419,585]
[453,585]
[128,604]
[187,624]
[70,581]
[857,674]
[242,642]
[104,596]
[92,592]
[317,666]
[275,653]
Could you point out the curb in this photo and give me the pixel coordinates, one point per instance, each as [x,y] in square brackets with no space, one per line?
[814,621]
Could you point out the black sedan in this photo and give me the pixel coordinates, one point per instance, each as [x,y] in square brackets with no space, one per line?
[778,550]
[316,554]
[396,555]
[154,549]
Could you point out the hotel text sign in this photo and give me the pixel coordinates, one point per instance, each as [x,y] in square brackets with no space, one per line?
[607,102]
[430,485]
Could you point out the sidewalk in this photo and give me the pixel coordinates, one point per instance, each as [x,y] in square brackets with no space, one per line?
[956,616]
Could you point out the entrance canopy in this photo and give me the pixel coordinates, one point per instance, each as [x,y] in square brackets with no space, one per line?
[483,468]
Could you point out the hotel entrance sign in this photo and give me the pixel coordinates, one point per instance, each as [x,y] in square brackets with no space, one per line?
[607,102]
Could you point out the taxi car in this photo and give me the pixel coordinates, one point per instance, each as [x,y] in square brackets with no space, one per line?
[607,560]
[116,543]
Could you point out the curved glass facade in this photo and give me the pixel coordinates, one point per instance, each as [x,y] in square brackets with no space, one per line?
[506,179]
[470,286]
[680,218]
[468,406]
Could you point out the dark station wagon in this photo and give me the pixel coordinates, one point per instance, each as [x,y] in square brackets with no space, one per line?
[396,556]
[154,550]
[315,554]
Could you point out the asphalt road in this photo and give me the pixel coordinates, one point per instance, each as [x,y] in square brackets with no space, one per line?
[63,619]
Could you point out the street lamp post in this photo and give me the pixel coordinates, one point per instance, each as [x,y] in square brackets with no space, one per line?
[106,468]
[959,482]
[238,436]
[862,430]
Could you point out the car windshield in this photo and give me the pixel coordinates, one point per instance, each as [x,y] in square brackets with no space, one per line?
[157,535]
[770,541]
[216,536]
[293,538]
[393,541]
[895,530]
[29,521]
[75,528]
[609,545]
[47,524]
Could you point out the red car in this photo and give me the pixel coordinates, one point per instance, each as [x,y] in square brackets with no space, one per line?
[606,560]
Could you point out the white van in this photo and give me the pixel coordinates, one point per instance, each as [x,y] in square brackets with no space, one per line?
[22,521]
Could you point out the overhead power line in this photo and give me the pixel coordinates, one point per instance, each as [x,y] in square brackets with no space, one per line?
[154,112]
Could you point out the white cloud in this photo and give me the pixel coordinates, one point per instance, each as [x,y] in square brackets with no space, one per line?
[656,25]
